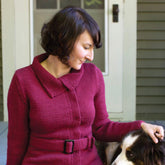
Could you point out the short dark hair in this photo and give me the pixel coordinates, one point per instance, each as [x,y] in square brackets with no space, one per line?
[58,36]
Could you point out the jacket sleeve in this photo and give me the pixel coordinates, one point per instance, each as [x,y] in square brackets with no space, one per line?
[103,128]
[18,130]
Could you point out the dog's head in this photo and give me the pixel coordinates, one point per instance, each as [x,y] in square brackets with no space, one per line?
[137,148]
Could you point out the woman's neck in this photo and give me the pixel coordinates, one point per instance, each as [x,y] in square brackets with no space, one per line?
[55,67]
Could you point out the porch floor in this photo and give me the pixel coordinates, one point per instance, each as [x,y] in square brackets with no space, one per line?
[3,138]
[3,142]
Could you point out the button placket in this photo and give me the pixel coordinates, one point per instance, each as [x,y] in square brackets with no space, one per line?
[75,108]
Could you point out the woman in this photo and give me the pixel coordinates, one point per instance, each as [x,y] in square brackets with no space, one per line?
[57,105]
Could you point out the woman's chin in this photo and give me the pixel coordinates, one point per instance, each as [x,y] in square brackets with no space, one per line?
[78,67]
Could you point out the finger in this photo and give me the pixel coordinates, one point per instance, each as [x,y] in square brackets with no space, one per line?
[154,138]
[160,132]
[159,136]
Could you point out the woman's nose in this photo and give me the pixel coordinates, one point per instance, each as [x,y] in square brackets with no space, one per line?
[90,56]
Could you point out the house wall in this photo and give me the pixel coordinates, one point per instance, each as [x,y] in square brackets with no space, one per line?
[151,60]
[150,54]
[1,86]
[15,41]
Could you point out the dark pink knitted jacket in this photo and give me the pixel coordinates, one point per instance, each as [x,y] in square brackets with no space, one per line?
[45,109]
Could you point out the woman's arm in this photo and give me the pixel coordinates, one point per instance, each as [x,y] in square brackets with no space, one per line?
[103,128]
[18,130]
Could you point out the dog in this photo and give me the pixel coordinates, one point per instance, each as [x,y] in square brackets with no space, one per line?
[136,148]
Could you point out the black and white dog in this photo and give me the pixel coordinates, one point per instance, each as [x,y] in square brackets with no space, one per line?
[137,148]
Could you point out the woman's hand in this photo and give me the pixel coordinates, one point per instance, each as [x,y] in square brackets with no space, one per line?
[154,131]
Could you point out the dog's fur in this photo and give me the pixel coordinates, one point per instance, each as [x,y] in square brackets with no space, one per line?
[137,148]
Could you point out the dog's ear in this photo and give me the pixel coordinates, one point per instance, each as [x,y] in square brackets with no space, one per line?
[101,147]
[154,154]
[160,149]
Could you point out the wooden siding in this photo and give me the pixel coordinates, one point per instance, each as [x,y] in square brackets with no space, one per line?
[1,85]
[151,60]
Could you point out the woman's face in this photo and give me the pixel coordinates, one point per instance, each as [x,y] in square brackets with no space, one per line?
[82,51]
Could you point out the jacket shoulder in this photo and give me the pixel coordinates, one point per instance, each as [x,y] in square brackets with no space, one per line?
[23,75]
[23,72]
[91,67]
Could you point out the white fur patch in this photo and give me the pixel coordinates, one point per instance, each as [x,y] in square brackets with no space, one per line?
[112,146]
[122,159]
[129,141]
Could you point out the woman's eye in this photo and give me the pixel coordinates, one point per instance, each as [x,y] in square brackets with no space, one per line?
[86,47]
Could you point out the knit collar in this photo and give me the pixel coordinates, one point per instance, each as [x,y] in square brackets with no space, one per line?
[55,86]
